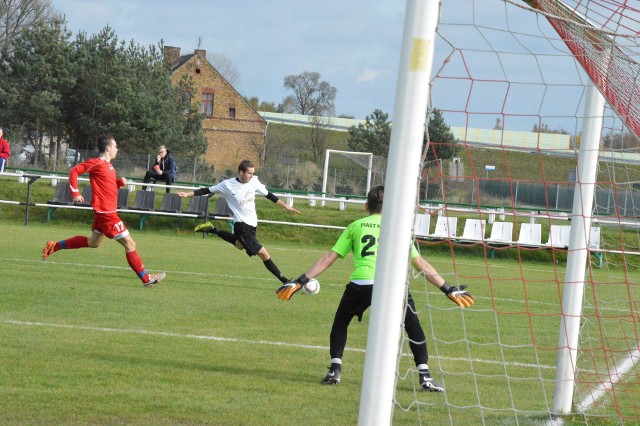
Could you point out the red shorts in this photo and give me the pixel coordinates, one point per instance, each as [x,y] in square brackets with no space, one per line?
[110,225]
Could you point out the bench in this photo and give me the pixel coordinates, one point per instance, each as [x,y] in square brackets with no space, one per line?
[421,225]
[171,203]
[474,230]
[501,233]
[446,227]
[559,236]
[145,202]
[62,197]
[123,198]
[199,206]
[529,236]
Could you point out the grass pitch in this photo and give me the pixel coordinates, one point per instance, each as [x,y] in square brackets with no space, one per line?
[83,342]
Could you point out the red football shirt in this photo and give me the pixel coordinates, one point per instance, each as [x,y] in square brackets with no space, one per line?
[104,184]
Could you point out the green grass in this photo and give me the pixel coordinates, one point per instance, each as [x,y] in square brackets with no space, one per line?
[84,343]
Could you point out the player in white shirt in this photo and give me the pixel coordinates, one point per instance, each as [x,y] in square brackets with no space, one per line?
[240,193]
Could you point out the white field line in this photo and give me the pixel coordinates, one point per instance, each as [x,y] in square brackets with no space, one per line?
[616,374]
[242,341]
[584,405]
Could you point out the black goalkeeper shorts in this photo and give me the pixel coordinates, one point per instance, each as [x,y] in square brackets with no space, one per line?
[246,234]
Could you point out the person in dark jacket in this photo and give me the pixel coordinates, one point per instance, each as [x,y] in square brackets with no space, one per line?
[164,169]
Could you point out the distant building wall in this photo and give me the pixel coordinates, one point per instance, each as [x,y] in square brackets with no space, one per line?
[235,131]
[554,143]
[513,139]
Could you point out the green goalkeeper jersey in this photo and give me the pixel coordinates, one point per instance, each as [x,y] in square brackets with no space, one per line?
[362,237]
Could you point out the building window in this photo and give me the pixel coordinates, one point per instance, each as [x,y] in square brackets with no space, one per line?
[207,104]
[232,112]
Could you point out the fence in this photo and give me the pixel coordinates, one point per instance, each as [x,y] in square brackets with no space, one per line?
[352,181]
[286,174]
[609,199]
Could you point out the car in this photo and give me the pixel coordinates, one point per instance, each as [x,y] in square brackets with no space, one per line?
[73,157]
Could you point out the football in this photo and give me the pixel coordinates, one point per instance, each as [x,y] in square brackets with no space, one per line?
[311,288]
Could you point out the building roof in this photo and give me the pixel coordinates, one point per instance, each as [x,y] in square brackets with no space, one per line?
[181,61]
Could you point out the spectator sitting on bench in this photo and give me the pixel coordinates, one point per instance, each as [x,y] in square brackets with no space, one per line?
[164,169]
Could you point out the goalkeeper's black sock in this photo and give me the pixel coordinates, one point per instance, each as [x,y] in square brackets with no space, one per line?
[274,270]
[227,236]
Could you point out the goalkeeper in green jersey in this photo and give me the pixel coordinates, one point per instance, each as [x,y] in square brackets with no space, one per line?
[362,237]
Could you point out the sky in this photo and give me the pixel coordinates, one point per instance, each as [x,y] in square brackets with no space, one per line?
[354,44]
[485,71]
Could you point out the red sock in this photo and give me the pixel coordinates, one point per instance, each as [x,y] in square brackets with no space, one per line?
[136,264]
[72,243]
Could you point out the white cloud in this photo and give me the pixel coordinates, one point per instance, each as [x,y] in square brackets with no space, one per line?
[369,74]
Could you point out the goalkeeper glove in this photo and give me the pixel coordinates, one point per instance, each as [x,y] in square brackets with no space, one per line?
[458,295]
[288,289]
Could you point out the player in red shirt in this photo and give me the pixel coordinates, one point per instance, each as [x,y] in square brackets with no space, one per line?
[106,223]
[5,151]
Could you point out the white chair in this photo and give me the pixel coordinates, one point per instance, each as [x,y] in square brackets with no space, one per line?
[421,225]
[445,227]
[530,234]
[501,232]
[559,236]
[474,230]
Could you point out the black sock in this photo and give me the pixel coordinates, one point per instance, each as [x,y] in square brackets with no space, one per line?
[227,236]
[274,270]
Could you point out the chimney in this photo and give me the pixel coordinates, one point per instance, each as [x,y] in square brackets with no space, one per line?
[171,56]
[201,53]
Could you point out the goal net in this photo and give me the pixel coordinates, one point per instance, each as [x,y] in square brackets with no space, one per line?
[352,173]
[512,79]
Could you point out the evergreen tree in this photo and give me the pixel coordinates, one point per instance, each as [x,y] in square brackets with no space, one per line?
[372,136]
[35,77]
[442,142]
[125,90]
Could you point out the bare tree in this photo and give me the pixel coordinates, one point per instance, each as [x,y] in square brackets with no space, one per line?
[318,137]
[225,67]
[311,95]
[16,15]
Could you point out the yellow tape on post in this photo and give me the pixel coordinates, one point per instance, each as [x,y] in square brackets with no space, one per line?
[419,49]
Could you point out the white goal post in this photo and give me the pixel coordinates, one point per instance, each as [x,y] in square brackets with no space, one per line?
[388,299]
[325,173]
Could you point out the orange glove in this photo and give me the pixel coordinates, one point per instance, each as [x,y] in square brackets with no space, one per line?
[458,295]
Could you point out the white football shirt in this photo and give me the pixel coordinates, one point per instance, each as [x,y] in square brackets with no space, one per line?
[241,198]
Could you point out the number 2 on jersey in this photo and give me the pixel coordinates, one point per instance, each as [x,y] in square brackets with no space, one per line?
[369,241]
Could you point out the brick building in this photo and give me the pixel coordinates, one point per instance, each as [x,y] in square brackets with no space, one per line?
[234,130]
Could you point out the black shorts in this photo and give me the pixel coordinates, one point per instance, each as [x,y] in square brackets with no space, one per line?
[246,234]
[356,299]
